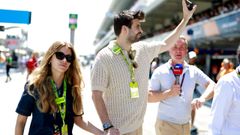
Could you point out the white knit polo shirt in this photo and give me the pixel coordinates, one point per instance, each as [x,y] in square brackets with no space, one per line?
[110,74]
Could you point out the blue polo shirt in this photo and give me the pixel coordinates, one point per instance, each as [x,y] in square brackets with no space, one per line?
[43,123]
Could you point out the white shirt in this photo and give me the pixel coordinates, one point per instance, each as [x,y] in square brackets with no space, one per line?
[225,110]
[177,109]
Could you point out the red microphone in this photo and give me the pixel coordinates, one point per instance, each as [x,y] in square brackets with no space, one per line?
[177,71]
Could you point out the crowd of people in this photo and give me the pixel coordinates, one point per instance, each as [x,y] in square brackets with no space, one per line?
[215,10]
[11,61]
[121,88]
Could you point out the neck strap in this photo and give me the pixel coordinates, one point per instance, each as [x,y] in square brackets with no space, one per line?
[118,50]
[60,101]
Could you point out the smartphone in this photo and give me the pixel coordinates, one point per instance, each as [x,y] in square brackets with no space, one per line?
[189,5]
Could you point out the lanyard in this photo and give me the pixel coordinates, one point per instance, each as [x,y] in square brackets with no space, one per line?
[116,50]
[130,66]
[182,78]
[61,100]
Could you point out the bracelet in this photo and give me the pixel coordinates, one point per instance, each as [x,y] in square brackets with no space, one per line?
[105,129]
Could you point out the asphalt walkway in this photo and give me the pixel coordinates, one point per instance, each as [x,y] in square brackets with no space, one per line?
[11,93]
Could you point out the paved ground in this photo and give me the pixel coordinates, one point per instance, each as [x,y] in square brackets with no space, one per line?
[11,93]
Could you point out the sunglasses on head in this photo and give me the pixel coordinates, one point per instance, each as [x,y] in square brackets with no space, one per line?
[131,55]
[61,56]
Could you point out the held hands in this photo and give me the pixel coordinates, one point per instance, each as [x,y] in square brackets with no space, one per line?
[197,103]
[112,131]
[187,14]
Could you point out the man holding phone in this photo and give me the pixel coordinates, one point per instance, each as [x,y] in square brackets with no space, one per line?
[119,76]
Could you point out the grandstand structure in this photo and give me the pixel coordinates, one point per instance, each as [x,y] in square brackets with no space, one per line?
[213,31]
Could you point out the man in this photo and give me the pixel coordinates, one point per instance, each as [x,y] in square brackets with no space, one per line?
[225,109]
[119,76]
[192,58]
[174,111]
[226,67]
[192,61]
[9,61]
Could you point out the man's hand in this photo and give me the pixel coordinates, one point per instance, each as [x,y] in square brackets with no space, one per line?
[113,131]
[175,90]
[197,103]
[187,14]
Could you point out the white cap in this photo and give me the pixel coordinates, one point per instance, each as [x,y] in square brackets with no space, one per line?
[192,54]
[226,60]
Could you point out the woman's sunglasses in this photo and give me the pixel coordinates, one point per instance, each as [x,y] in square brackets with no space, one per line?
[131,55]
[61,56]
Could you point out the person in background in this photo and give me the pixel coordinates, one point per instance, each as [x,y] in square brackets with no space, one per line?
[175,92]
[214,72]
[154,64]
[226,67]
[192,58]
[9,61]
[15,60]
[225,109]
[119,76]
[2,57]
[53,95]
[31,63]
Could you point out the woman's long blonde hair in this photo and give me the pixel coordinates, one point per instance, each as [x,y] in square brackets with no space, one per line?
[41,76]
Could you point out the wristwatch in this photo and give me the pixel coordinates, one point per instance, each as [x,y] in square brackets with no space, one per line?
[107,126]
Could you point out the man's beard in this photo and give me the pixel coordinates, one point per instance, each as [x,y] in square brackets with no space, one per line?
[138,36]
[135,38]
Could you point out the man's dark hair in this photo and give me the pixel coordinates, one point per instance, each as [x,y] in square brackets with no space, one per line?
[125,18]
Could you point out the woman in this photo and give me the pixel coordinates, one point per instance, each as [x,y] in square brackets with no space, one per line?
[53,95]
